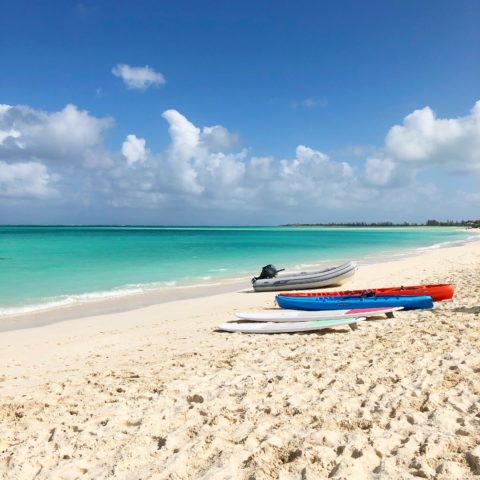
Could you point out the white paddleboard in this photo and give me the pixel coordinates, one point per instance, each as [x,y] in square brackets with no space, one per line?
[282,315]
[291,327]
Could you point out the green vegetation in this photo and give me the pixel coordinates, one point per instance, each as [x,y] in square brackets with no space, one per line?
[452,223]
[428,223]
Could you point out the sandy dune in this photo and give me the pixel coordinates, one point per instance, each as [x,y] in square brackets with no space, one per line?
[156,393]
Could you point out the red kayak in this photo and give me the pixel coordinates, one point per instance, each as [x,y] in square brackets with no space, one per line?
[437,292]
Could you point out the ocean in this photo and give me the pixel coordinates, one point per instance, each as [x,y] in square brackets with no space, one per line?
[43,267]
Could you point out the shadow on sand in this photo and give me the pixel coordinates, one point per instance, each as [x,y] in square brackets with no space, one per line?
[474,310]
[317,333]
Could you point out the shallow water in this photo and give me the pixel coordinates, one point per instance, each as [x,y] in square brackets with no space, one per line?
[42,266]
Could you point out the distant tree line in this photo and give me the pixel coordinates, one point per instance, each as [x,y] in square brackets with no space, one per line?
[453,223]
[428,223]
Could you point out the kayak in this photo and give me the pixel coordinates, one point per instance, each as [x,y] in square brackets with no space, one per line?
[344,302]
[292,327]
[298,316]
[437,292]
[328,277]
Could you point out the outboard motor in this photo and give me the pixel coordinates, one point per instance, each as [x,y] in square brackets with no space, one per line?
[268,271]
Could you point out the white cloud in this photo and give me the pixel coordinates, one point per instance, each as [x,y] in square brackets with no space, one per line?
[384,172]
[192,162]
[195,169]
[69,130]
[133,149]
[65,137]
[259,170]
[4,108]
[312,178]
[138,78]
[218,138]
[42,152]
[25,179]
[8,134]
[192,168]
[425,139]
[184,151]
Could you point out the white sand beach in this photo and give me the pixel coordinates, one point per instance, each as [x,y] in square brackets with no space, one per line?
[157,393]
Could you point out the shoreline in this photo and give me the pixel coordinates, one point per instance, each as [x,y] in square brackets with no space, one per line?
[156,392]
[46,315]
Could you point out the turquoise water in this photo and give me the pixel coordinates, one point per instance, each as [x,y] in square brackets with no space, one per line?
[61,265]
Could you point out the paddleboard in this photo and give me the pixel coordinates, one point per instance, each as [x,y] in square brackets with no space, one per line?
[291,327]
[306,316]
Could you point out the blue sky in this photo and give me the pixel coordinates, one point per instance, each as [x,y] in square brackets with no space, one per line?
[334,77]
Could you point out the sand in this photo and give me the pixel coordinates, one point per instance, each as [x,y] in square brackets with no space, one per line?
[155,392]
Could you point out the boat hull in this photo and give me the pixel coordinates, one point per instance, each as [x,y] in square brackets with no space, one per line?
[341,303]
[437,292]
[329,277]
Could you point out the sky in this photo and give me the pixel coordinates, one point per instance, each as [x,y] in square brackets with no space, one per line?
[239,112]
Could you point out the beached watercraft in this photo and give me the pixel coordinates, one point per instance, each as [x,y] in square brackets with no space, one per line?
[271,280]
[341,303]
[292,327]
[324,315]
[437,292]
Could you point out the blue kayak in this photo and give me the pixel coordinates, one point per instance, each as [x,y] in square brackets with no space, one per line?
[342,303]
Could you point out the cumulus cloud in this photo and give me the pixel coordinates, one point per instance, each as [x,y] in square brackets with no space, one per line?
[184,151]
[195,165]
[192,171]
[138,78]
[313,176]
[133,149]
[202,167]
[8,134]
[65,137]
[218,138]
[387,173]
[424,139]
[25,180]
